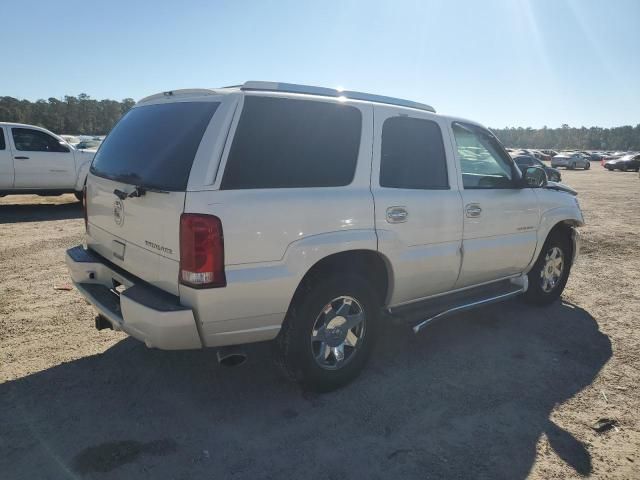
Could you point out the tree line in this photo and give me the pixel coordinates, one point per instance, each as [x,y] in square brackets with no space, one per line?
[83,115]
[566,137]
[79,115]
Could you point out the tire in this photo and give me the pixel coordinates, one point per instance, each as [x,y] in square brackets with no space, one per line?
[587,166]
[78,195]
[300,357]
[537,293]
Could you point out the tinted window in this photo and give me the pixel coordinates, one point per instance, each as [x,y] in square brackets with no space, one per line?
[28,140]
[155,145]
[483,160]
[412,154]
[2,144]
[524,161]
[285,143]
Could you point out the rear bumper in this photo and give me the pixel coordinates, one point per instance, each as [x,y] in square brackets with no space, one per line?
[145,312]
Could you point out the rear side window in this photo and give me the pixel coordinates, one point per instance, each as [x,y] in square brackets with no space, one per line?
[412,154]
[154,145]
[286,143]
[2,144]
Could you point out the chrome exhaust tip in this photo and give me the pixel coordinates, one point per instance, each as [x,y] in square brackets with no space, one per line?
[231,356]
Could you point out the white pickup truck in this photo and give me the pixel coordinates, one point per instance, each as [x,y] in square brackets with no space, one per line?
[34,160]
[308,216]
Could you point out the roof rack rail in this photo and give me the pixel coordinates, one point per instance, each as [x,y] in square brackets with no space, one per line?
[332,92]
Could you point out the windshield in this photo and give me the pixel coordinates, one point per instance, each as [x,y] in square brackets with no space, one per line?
[154,145]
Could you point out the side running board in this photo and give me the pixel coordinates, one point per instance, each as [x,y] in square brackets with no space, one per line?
[467,306]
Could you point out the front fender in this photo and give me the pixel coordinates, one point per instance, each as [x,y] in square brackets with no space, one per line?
[549,219]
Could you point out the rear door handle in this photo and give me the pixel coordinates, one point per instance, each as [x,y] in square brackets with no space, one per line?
[397,214]
[473,210]
[21,158]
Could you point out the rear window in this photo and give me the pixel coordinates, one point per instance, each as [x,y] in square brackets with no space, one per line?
[154,145]
[286,143]
[412,154]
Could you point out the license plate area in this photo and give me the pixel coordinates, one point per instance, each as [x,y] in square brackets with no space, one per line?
[118,249]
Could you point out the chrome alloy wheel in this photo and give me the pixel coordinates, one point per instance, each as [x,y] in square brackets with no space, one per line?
[552,269]
[338,332]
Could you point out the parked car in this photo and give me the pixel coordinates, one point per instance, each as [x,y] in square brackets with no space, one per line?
[209,224]
[541,156]
[594,156]
[88,144]
[70,139]
[524,161]
[624,163]
[34,160]
[549,153]
[571,160]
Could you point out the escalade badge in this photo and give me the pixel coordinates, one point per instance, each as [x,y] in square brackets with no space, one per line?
[118,212]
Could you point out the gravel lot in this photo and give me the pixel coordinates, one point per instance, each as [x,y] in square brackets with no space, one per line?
[508,391]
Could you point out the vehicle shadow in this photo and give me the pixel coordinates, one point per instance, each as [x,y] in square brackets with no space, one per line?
[468,398]
[39,212]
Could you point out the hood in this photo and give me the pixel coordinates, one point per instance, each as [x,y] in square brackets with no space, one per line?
[561,187]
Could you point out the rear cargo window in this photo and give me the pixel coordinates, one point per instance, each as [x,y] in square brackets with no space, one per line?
[286,143]
[154,145]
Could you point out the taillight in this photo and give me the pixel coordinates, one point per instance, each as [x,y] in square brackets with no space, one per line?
[201,251]
[84,207]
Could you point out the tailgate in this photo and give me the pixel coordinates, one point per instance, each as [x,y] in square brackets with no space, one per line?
[139,234]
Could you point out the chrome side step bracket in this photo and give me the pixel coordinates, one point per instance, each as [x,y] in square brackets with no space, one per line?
[468,306]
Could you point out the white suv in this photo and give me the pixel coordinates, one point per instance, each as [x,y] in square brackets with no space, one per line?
[308,215]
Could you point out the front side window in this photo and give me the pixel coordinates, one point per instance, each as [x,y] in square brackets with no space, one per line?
[2,144]
[286,143]
[412,154]
[28,140]
[483,160]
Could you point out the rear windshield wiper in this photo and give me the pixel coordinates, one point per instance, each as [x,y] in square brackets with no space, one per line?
[138,191]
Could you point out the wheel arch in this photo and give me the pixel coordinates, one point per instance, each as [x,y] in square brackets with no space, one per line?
[556,223]
[371,264]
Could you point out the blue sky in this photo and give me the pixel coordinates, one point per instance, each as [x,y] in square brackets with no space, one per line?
[500,62]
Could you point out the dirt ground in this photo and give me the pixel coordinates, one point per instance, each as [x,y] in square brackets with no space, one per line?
[508,391]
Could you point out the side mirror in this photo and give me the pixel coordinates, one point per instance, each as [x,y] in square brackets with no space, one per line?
[534,177]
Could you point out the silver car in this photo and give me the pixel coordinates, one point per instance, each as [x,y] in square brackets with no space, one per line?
[570,161]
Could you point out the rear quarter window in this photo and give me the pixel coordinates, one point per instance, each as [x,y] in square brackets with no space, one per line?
[287,143]
[154,145]
[412,154]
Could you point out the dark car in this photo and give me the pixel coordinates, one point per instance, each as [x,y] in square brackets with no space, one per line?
[624,163]
[524,161]
[550,153]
